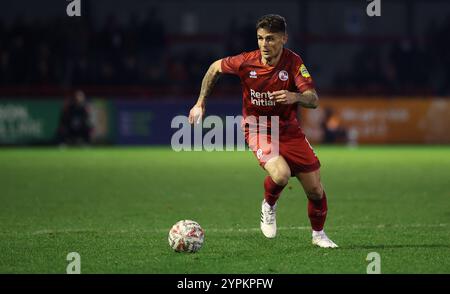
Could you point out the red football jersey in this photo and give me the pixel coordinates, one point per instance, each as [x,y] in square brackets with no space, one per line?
[258,80]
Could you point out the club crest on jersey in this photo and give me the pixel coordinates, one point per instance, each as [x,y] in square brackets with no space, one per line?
[283,75]
[253,74]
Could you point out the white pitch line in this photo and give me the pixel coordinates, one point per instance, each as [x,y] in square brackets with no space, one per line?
[240,230]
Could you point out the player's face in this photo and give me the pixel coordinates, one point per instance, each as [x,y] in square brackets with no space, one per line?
[270,44]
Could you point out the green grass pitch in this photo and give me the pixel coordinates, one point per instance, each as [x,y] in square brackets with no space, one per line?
[115,206]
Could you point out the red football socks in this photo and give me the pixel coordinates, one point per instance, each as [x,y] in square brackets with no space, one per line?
[271,191]
[317,212]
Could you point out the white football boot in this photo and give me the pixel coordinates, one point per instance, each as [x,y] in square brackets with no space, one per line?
[320,239]
[268,220]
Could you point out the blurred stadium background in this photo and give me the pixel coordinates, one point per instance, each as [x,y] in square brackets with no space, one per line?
[382,81]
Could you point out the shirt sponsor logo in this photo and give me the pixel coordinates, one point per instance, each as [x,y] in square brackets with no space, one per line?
[253,74]
[261,98]
[283,75]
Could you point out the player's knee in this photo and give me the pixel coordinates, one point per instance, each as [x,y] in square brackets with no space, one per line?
[315,192]
[280,177]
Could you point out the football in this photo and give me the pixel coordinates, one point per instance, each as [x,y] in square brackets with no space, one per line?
[186,236]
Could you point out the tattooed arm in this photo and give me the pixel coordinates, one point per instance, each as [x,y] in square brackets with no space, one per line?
[209,80]
[307,99]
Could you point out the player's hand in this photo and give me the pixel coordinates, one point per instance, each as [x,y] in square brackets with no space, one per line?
[284,97]
[196,114]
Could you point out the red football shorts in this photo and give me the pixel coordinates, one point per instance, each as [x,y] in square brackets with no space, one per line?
[293,146]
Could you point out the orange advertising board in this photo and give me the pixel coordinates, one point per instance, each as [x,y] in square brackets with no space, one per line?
[381,121]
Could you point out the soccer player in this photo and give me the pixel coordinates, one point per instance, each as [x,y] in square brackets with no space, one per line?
[275,82]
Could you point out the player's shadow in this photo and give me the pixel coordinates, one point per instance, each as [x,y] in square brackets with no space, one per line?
[395,246]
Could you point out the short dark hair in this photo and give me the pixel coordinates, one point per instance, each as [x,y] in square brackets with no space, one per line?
[273,23]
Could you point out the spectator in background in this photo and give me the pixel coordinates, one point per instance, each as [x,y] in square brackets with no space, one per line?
[74,125]
[333,131]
